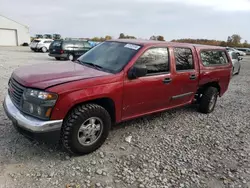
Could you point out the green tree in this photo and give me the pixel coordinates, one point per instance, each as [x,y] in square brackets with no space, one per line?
[107,37]
[223,43]
[245,44]
[229,39]
[236,39]
[160,38]
[122,36]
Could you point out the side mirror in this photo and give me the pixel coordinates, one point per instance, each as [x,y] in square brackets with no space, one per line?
[240,58]
[137,71]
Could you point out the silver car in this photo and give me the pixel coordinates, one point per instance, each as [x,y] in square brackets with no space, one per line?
[236,62]
[238,52]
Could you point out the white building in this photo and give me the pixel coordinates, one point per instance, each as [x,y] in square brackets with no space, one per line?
[13,33]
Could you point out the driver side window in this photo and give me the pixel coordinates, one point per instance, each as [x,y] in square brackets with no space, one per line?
[156,60]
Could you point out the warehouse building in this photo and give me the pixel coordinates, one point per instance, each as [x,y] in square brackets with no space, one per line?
[13,33]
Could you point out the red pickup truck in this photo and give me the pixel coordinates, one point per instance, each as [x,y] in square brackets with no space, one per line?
[77,102]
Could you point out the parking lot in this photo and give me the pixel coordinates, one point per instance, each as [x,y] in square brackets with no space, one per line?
[178,148]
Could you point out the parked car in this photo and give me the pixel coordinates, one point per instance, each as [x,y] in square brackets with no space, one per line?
[236,62]
[56,36]
[238,52]
[245,50]
[115,81]
[68,49]
[38,45]
[93,43]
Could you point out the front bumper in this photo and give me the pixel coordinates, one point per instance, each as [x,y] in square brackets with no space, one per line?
[30,126]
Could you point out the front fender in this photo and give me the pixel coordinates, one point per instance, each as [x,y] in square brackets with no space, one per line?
[68,100]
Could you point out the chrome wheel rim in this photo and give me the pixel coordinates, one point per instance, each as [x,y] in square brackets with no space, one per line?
[44,49]
[212,102]
[90,131]
[71,57]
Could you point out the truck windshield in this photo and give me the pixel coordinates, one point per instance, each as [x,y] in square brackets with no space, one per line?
[111,56]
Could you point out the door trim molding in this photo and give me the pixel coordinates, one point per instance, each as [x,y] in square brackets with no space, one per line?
[182,95]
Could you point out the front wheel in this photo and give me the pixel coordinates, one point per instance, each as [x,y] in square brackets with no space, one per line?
[85,129]
[208,100]
[238,72]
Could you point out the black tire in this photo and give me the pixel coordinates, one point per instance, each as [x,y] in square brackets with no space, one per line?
[57,58]
[71,57]
[74,121]
[205,106]
[238,71]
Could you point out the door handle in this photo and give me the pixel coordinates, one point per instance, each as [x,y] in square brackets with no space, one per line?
[192,77]
[167,80]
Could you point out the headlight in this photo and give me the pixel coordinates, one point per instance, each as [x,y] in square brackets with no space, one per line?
[39,103]
[41,94]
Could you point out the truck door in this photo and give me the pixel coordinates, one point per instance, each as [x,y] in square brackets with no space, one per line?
[152,92]
[185,75]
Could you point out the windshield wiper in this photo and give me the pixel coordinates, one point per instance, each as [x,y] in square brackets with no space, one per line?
[91,64]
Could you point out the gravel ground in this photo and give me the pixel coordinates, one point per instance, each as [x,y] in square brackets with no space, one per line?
[178,148]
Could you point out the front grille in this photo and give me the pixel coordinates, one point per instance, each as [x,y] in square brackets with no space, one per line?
[15,92]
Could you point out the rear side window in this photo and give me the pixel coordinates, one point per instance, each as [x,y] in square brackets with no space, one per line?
[156,60]
[183,59]
[213,57]
[47,41]
[79,44]
[68,44]
[244,50]
[36,40]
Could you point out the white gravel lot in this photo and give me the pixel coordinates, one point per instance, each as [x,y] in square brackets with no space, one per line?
[178,148]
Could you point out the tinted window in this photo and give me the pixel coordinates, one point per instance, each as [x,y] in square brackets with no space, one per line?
[213,57]
[82,44]
[79,44]
[56,43]
[156,60]
[87,45]
[36,40]
[111,56]
[244,50]
[68,45]
[183,59]
[47,41]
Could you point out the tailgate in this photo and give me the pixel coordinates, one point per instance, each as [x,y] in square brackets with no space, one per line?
[55,47]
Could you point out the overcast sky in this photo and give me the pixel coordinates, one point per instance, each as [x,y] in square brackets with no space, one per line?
[211,19]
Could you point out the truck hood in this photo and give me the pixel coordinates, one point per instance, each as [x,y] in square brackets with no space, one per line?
[46,75]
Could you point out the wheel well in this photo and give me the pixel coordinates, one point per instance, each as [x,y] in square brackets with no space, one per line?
[107,103]
[210,84]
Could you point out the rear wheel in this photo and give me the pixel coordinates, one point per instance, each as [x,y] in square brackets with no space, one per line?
[71,57]
[44,49]
[208,100]
[86,129]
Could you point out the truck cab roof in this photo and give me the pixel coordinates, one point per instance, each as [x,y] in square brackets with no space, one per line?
[153,43]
